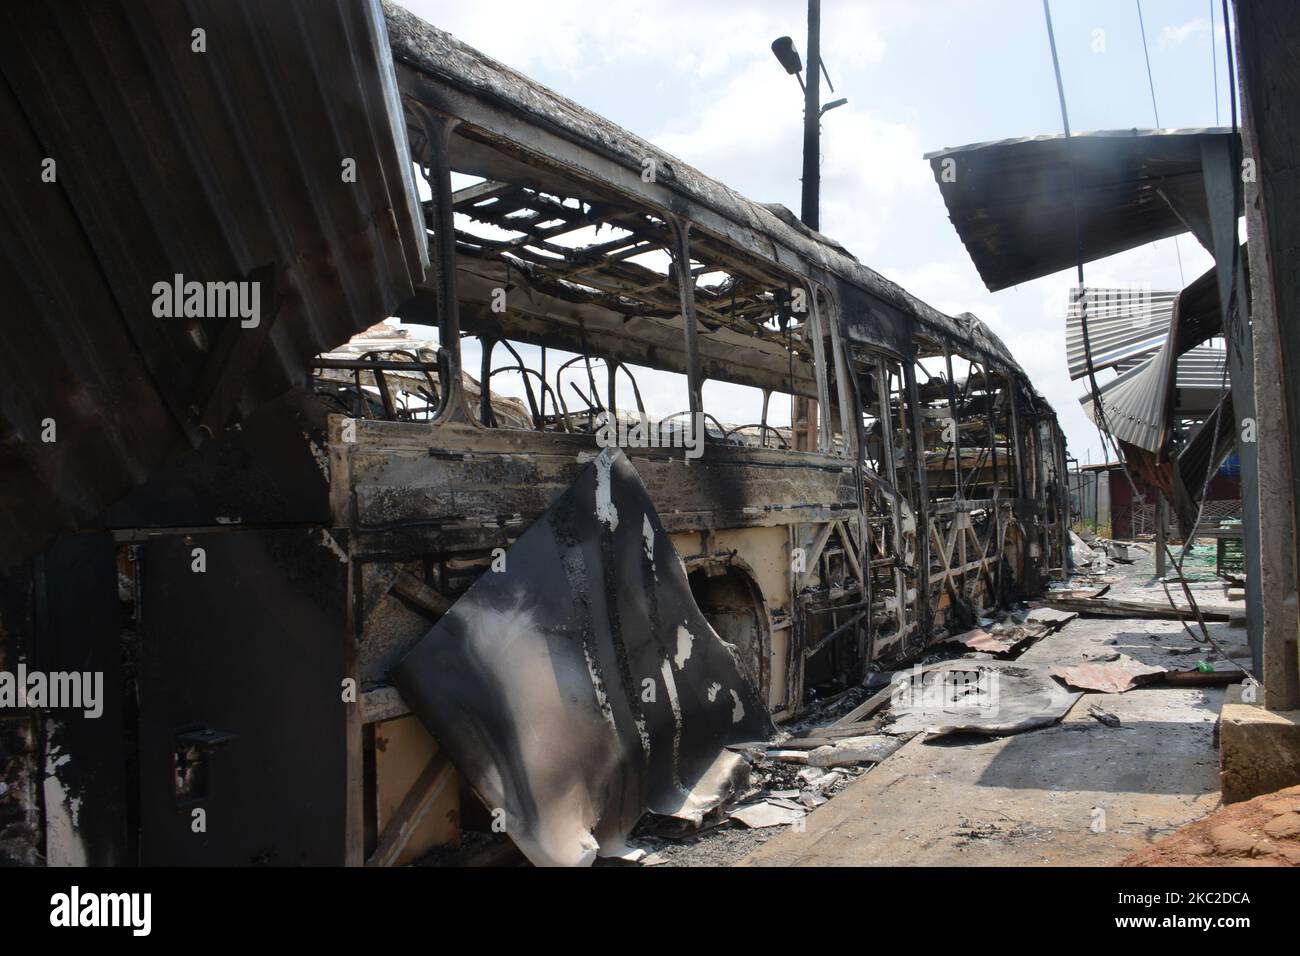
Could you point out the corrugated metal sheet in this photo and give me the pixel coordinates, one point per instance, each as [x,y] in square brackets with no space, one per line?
[1203,367]
[1123,325]
[1199,317]
[1138,402]
[222,165]
[1130,330]
[1126,326]
[1014,202]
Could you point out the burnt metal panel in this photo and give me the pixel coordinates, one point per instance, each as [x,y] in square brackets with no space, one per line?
[252,649]
[273,469]
[476,481]
[1016,203]
[222,165]
[78,630]
[582,686]
[871,321]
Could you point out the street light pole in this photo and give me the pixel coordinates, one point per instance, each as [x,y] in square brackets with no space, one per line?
[804,411]
[809,210]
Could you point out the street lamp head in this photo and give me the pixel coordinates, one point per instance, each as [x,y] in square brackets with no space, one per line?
[785,52]
[832,104]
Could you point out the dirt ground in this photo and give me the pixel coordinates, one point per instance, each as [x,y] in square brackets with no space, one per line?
[1264,831]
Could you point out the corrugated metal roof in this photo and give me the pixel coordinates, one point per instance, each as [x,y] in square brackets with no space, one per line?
[222,165]
[1130,330]
[1014,202]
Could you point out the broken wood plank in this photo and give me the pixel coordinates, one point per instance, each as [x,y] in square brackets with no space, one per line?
[422,795]
[425,598]
[807,743]
[867,707]
[848,730]
[872,748]
[1110,607]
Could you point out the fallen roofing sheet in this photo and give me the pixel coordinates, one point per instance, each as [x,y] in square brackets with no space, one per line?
[224,166]
[978,639]
[1014,202]
[582,686]
[984,697]
[1002,637]
[1112,676]
[1156,342]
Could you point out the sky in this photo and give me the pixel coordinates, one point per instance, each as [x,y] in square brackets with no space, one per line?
[699,80]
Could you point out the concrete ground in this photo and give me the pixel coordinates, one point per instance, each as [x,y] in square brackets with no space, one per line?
[1079,793]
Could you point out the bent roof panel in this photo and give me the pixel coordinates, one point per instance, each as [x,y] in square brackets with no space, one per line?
[1014,202]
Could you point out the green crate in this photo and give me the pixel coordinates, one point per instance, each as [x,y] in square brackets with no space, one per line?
[1231,556]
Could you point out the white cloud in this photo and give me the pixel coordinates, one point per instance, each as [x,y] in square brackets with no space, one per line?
[576,37]
[1177,36]
[868,164]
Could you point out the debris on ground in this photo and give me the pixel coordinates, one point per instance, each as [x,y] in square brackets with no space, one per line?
[1006,635]
[1119,551]
[983,697]
[1112,674]
[852,750]
[1263,831]
[767,813]
[1103,716]
[1052,617]
[979,639]
[1214,677]
[850,732]
[1087,560]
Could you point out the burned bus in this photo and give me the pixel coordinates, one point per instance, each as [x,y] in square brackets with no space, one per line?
[919,484]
